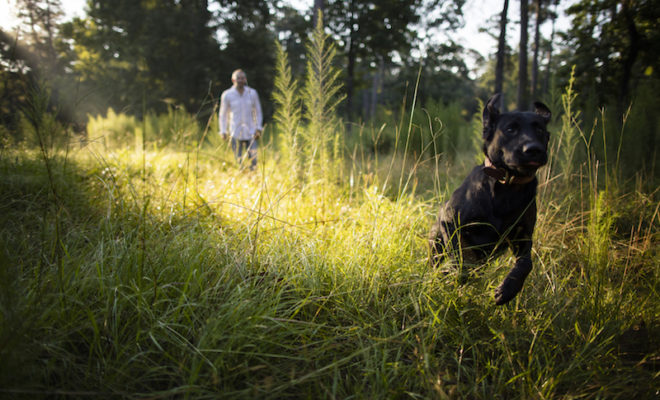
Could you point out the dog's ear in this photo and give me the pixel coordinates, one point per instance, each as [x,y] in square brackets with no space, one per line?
[490,115]
[542,110]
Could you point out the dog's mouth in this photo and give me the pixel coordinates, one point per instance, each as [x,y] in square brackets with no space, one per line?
[530,156]
[532,164]
[527,167]
[522,164]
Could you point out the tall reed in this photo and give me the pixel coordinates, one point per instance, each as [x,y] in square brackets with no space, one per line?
[321,96]
[287,113]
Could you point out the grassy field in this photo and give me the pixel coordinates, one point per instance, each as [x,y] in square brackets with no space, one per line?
[141,264]
[171,274]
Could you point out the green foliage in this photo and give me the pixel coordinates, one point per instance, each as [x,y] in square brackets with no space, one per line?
[448,128]
[597,243]
[372,34]
[385,25]
[292,33]
[436,130]
[38,126]
[613,45]
[13,97]
[246,42]
[444,76]
[124,54]
[637,143]
[566,143]
[114,129]
[613,57]
[176,127]
[628,139]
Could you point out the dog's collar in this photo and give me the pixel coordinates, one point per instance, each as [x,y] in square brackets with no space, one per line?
[504,176]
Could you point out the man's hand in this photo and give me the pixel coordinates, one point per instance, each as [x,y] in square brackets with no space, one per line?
[257,134]
[225,136]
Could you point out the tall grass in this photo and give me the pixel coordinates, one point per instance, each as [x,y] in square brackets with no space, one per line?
[205,282]
[287,114]
[321,97]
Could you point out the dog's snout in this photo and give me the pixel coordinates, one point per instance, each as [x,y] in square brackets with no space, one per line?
[533,149]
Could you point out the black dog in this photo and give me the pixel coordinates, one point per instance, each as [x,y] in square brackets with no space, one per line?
[495,207]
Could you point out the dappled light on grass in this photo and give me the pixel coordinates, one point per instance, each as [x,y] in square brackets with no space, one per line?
[182,276]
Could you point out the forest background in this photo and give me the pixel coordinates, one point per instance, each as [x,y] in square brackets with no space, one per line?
[119,55]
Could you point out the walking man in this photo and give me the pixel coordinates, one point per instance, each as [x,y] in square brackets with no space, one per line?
[241,118]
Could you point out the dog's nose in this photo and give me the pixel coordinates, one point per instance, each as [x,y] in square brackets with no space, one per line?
[533,149]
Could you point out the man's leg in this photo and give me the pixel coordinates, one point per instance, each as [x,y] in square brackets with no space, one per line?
[252,153]
[237,147]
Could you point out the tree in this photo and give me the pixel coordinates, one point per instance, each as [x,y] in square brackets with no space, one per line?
[537,41]
[616,44]
[501,53]
[31,63]
[42,16]
[291,30]
[369,30]
[552,14]
[633,49]
[145,55]
[523,92]
[379,39]
[15,80]
[614,48]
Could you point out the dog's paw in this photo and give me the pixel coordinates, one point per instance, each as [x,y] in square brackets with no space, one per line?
[507,290]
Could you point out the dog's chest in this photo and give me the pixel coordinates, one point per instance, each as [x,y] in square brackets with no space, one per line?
[510,202]
[511,205]
[489,212]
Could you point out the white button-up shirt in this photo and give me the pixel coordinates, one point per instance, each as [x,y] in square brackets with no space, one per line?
[241,113]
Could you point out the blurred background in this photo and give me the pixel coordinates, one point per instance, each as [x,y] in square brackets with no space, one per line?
[140,57]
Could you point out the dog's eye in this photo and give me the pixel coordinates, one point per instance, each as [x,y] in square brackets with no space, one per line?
[511,130]
[542,132]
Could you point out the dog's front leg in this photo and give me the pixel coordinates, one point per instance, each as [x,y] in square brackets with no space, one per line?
[443,238]
[441,241]
[513,282]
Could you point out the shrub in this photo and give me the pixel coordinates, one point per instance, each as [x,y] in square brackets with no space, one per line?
[176,127]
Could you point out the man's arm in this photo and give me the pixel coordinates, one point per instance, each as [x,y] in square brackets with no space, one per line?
[222,117]
[258,115]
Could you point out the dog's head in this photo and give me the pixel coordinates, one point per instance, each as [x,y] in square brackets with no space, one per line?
[516,141]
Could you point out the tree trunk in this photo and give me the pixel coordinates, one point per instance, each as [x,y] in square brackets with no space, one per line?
[501,52]
[546,80]
[376,87]
[350,69]
[535,57]
[631,53]
[523,97]
[350,78]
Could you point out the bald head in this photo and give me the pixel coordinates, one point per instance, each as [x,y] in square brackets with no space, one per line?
[239,79]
